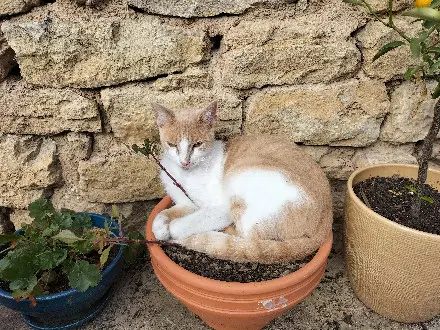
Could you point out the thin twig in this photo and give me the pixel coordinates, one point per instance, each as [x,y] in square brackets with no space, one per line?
[365,199]
[149,149]
[389,24]
[425,154]
[177,184]
[140,241]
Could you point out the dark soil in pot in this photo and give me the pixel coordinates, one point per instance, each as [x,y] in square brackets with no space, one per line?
[392,198]
[230,271]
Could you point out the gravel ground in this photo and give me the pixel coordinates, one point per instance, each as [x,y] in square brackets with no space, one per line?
[140,302]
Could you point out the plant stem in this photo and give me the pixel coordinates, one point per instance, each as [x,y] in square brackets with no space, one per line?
[390,22]
[423,159]
[177,184]
[7,249]
[123,240]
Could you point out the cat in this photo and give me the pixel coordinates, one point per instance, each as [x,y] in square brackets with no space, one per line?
[256,198]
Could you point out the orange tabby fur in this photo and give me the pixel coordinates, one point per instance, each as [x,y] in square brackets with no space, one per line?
[293,232]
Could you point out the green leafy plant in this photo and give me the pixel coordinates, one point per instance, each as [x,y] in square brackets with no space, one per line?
[425,49]
[61,244]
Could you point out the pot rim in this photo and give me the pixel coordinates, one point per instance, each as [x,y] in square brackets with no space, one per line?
[250,288]
[70,291]
[378,217]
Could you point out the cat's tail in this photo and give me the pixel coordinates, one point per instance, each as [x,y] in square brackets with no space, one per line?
[224,246]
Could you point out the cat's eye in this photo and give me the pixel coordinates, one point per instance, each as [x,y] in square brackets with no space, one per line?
[171,145]
[197,144]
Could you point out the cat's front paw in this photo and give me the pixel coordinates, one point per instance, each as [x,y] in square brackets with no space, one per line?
[179,230]
[161,227]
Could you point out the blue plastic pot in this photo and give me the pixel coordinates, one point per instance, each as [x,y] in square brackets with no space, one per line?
[71,308]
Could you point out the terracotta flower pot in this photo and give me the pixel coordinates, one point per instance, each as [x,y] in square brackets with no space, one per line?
[393,269]
[231,305]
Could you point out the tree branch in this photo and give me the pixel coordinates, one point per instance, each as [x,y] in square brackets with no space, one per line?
[423,159]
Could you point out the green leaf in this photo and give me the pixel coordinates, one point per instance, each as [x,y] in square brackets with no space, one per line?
[434,50]
[423,35]
[414,45]
[436,93]
[104,256]
[50,230]
[410,72]
[41,210]
[411,188]
[388,47]
[354,2]
[67,236]
[427,199]
[83,275]
[115,212]
[107,230]
[65,219]
[23,285]
[21,262]
[428,14]
[6,238]
[428,24]
[83,221]
[4,263]
[434,67]
[51,258]
[434,3]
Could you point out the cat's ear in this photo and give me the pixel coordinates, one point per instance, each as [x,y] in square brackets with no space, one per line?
[163,115]
[209,115]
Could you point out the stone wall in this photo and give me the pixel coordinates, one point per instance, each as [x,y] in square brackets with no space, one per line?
[76,83]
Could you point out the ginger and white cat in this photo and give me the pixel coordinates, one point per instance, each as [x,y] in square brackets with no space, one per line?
[257,198]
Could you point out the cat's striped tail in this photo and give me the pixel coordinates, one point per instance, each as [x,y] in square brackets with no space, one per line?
[224,246]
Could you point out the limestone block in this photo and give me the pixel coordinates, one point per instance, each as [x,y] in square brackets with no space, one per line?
[382,153]
[29,166]
[411,112]
[11,7]
[343,114]
[73,148]
[194,8]
[114,174]
[20,217]
[374,36]
[339,189]
[102,52]
[434,166]
[70,197]
[337,163]
[380,5]
[132,118]
[316,152]
[7,57]
[270,52]
[27,109]
[436,149]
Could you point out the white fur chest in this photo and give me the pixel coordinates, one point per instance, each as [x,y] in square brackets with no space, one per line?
[204,183]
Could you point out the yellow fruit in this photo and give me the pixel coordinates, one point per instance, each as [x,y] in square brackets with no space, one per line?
[422,3]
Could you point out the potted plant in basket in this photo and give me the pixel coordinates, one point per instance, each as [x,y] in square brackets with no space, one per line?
[57,271]
[230,304]
[392,227]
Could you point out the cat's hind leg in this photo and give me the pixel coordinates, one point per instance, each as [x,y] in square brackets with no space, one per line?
[161,224]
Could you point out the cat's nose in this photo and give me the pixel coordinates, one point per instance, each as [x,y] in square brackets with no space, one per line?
[185,163]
